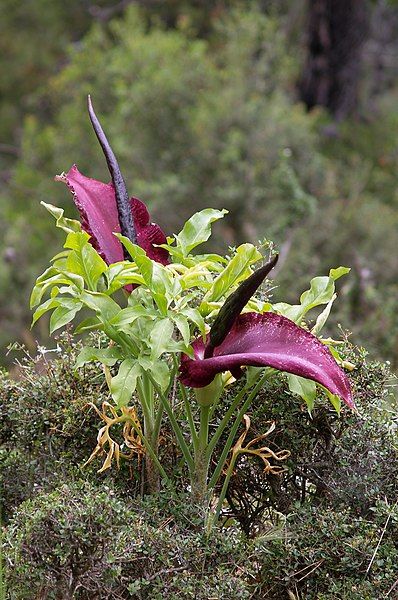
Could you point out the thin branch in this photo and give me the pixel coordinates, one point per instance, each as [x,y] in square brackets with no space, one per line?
[378,543]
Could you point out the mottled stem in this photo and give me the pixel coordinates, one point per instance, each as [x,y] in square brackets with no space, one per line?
[201,461]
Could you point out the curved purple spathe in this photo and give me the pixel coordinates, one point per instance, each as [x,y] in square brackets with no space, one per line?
[96,202]
[267,340]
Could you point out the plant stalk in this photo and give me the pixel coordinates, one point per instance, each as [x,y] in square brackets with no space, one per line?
[201,461]
[235,426]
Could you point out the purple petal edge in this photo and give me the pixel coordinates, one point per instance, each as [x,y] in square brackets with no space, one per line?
[268,340]
[96,202]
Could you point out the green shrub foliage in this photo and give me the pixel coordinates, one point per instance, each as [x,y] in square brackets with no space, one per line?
[330,554]
[81,542]
[47,430]
[335,462]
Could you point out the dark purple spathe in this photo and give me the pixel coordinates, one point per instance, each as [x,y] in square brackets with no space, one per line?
[96,202]
[267,340]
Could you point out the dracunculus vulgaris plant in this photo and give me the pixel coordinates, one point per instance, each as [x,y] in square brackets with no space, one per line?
[185,317]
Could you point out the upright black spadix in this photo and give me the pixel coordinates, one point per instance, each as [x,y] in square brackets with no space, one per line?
[234,305]
[126,222]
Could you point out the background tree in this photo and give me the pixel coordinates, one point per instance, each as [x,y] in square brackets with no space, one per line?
[336,33]
[204,118]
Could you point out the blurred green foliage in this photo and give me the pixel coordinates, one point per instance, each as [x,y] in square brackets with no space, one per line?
[199,102]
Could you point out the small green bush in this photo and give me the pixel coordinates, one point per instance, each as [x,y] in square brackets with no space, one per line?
[81,542]
[335,461]
[47,430]
[60,541]
[331,555]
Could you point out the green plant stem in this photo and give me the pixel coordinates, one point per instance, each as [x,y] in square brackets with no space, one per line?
[160,410]
[145,405]
[214,406]
[150,450]
[176,428]
[152,424]
[228,415]
[150,437]
[152,480]
[235,426]
[200,473]
[158,421]
[125,343]
[223,492]
[147,390]
[188,410]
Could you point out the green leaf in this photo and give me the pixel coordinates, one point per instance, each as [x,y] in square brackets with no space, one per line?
[143,262]
[197,229]
[37,291]
[335,400]
[210,309]
[252,375]
[130,314]
[47,274]
[236,270]
[197,276]
[212,261]
[64,314]
[121,274]
[339,272]
[158,369]
[68,225]
[161,374]
[93,264]
[335,353]
[159,280]
[88,324]
[107,356]
[182,325]
[160,338]
[53,277]
[195,317]
[76,240]
[84,260]
[59,256]
[294,312]
[124,383]
[305,388]
[321,291]
[43,308]
[103,305]
[323,317]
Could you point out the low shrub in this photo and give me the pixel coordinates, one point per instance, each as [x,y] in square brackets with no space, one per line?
[335,461]
[47,430]
[82,542]
[331,555]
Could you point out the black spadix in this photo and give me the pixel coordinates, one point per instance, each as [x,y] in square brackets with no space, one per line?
[234,305]
[126,222]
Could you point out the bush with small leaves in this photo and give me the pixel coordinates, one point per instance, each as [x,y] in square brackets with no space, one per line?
[81,542]
[47,430]
[329,555]
[348,461]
